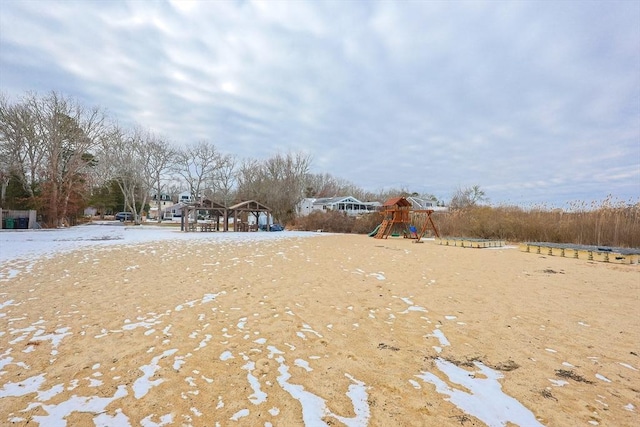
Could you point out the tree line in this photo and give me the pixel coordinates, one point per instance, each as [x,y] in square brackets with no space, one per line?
[58,156]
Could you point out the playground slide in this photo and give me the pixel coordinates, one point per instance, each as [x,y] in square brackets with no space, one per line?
[375,231]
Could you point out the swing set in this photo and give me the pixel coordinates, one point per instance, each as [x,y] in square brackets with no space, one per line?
[398,216]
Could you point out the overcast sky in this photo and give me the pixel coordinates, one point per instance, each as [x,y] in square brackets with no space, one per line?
[535,102]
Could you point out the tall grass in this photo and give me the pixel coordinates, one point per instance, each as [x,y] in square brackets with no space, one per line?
[608,223]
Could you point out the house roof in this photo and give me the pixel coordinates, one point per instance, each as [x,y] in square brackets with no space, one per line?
[177,205]
[334,200]
[421,203]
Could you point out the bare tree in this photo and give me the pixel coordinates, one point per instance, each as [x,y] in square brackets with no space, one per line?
[130,155]
[198,164]
[327,185]
[8,142]
[251,180]
[322,185]
[174,186]
[467,197]
[5,177]
[278,182]
[22,155]
[223,183]
[49,141]
[99,179]
[161,159]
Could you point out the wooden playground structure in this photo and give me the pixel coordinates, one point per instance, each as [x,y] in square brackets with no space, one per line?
[398,215]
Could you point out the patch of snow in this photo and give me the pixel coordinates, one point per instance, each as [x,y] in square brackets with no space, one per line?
[29,385]
[303,364]
[627,366]
[142,385]
[226,355]
[240,414]
[258,395]
[484,398]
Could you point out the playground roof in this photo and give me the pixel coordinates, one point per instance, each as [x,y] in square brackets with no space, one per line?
[397,201]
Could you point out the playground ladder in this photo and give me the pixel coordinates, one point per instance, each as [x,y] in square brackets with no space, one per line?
[384,228]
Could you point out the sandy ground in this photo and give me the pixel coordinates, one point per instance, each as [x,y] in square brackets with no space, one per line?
[333,330]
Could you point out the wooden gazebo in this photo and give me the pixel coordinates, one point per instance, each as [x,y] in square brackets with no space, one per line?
[240,213]
[215,211]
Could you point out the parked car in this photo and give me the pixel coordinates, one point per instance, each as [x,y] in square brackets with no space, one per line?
[124,216]
[272,227]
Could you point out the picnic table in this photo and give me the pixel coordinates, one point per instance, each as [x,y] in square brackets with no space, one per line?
[206,226]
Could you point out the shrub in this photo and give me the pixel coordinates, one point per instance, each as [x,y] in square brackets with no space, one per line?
[365,224]
[337,222]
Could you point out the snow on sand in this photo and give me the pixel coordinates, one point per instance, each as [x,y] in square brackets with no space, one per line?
[156,327]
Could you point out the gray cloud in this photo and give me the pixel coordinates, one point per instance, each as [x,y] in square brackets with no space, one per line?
[534,102]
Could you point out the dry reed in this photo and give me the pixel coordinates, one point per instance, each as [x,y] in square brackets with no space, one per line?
[606,223]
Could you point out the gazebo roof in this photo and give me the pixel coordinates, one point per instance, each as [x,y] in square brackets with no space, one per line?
[207,206]
[250,206]
[213,205]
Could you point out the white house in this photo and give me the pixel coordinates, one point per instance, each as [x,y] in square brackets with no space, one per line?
[347,204]
[422,203]
[185,197]
[165,202]
[173,212]
[305,207]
